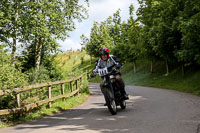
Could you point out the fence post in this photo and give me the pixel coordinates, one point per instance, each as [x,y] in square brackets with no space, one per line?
[62,88]
[71,86]
[49,96]
[81,85]
[18,100]
[77,85]
[87,73]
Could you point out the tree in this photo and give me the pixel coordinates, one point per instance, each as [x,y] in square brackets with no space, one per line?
[9,23]
[134,49]
[51,20]
[99,36]
[160,23]
[33,22]
[190,28]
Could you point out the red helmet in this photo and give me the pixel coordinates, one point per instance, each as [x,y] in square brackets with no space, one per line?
[104,51]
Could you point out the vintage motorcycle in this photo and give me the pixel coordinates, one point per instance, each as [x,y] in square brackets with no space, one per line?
[111,89]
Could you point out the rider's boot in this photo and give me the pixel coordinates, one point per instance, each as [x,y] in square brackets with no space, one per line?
[125,95]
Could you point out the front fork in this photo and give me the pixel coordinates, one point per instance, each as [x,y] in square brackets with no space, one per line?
[107,90]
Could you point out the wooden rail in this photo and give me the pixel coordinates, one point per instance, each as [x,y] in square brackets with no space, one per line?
[17,92]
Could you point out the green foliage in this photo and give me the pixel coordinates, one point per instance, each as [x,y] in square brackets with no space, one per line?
[82,60]
[99,37]
[10,76]
[49,68]
[4,58]
[51,64]
[38,24]
[48,71]
[38,75]
[85,88]
[171,29]
[189,25]
[164,30]
[8,102]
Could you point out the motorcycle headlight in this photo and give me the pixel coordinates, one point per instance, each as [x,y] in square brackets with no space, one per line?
[112,76]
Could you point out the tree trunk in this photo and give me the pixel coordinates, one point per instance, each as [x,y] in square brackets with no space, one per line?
[14,50]
[183,71]
[151,69]
[134,64]
[90,60]
[14,46]
[38,53]
[167,67]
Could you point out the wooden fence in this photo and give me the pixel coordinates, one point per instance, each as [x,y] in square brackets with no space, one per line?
[75,85]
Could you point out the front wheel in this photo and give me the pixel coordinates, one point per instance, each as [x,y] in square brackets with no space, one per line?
[112,107]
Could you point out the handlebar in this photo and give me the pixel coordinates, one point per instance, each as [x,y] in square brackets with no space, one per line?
[104,71]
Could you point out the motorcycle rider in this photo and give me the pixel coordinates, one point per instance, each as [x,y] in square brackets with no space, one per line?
[107,60]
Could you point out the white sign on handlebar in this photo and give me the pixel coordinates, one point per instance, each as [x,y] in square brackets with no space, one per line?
[103,71]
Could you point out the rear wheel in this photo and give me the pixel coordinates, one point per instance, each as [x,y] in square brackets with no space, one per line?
[123,104]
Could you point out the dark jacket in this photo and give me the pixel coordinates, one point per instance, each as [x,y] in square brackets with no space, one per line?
[112,60]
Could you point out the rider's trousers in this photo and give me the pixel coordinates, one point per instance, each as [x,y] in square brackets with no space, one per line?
[120,81]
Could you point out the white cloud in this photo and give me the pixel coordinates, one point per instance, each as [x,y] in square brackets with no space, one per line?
[99,10]
[104,9]
[69,44]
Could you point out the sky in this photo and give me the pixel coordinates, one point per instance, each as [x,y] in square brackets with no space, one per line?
[99,10]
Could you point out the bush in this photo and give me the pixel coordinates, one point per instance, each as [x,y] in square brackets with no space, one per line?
[55,71]
[38,76]
[82,60]
[10,77]
[85,88]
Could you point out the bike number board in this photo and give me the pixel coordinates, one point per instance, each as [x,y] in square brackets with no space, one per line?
[103,71]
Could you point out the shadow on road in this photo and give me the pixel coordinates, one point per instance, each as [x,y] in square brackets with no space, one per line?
[75,120]
[92,119]
[93,116]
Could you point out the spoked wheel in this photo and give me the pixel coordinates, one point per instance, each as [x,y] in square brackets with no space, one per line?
[123,104]
[112,107]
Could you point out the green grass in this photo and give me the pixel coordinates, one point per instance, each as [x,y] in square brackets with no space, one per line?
[72,64]
[57,106]
[175,80]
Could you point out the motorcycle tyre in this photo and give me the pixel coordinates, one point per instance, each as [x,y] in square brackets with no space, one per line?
[123,104]
[112,107]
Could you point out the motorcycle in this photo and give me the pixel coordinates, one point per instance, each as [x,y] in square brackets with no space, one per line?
[111,89]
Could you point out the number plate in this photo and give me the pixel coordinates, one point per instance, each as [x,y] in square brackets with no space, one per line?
[103,72]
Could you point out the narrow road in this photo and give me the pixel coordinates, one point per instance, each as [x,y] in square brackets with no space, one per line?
[149,110]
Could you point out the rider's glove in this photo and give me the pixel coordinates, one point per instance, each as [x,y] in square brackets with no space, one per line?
[92,75]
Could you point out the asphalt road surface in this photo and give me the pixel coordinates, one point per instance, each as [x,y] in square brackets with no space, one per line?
[149,110]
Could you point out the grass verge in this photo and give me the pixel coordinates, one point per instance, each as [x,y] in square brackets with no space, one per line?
[57,106]
[189,82]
